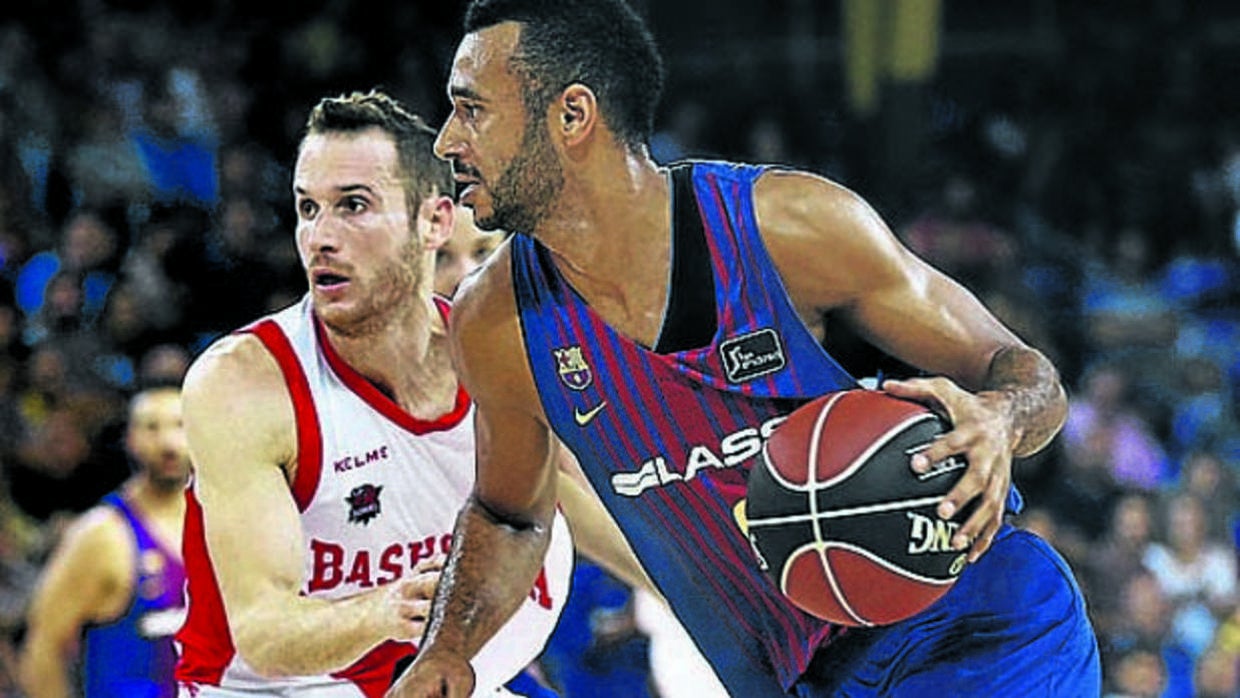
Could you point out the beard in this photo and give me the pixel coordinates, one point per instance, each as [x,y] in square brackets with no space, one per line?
[389,290]
[527,188]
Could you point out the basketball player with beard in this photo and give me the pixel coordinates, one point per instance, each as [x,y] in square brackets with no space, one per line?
[333,445]
[649,318]
[113,587]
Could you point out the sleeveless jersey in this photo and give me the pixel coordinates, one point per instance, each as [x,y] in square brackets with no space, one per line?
[667,440]
[134,655]
[378,491]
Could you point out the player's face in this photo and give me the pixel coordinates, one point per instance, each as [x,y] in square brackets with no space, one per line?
[502,155]
[463,252]
[155,437]
[354,234]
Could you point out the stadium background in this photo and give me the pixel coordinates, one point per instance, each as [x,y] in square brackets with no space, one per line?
[1075,164]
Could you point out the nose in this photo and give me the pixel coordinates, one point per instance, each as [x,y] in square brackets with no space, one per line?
[448,143]
[319,234]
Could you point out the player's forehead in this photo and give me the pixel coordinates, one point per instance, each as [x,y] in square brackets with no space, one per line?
[156,405]
[339,160]
[481,65]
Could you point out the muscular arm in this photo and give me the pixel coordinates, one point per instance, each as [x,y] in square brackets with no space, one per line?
[240,427]
[88,580]
[1004,398]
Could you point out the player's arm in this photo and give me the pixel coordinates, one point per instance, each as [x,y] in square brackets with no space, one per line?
[504,529]
[87,580]
[240,426]
[595,533]
[1004,398]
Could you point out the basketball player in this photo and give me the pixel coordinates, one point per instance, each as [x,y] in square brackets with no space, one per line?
[648,318]
[462,253]
[114,583]
[333,446]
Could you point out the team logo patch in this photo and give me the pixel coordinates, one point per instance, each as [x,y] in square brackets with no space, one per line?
[363,503]
[752,355]
[572,367]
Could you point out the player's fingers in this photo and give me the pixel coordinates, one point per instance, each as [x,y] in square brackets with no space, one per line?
[421,586]
[984,521]
[938,453]
[417,610]
[431,564]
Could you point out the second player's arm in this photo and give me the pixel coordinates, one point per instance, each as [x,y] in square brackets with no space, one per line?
[87,581]
[1004,398]
[240,425]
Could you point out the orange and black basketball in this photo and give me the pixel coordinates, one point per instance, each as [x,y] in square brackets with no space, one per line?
[840,520]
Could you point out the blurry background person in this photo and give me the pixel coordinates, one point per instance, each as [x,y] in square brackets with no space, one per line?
[110,598]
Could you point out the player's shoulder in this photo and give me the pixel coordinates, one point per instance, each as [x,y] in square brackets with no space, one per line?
[99,539]
[783,196]
[236,375]
[484,300]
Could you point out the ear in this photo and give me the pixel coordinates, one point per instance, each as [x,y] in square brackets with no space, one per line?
[440,213]
[577,113]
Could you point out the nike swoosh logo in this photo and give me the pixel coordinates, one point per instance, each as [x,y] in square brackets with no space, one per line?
[584,418]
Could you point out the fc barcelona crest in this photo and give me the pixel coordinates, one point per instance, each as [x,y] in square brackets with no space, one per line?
[572,367]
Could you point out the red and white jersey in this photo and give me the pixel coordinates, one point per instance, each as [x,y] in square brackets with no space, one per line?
[378,491]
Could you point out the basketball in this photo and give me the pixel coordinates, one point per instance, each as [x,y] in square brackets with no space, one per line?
[841,522]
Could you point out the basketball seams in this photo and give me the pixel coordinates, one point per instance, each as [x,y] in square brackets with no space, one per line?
[890,566]
[874,447]
[815,442]
[819,551]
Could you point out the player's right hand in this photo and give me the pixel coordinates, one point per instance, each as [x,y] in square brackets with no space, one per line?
[407,603]
[435,675]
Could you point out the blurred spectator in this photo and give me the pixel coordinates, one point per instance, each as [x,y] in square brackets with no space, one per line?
[103,165]
[150,265]
[1139,673]
[1144,625]
[89,250]
[244,260]
[59,471]
[1203,415]
[1124,313]
[1204,476]
[1105,433]
[463,252]
[164,364]
[1116,558]
[954,234]
[1217,675]
[1195,572]
[176,140]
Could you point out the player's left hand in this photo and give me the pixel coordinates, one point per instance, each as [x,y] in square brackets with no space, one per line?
[982,432]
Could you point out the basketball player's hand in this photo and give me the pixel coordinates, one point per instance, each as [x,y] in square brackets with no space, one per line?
[982,432]
[435,675]
[407,603]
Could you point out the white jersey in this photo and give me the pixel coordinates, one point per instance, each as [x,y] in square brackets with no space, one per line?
[378,491]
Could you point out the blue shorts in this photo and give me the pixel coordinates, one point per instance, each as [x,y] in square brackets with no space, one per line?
[1013,625]
[524,684]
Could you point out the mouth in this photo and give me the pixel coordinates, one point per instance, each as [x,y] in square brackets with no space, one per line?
[327,280]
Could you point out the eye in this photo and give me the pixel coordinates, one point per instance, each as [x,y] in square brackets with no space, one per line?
[307,208]
[353,204]
[469,110]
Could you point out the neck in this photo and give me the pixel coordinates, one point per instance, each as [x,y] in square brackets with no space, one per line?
[608,208]
[407,359]
[157,498]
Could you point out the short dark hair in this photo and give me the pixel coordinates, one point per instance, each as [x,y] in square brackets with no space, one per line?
[424,174]
[603,44]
